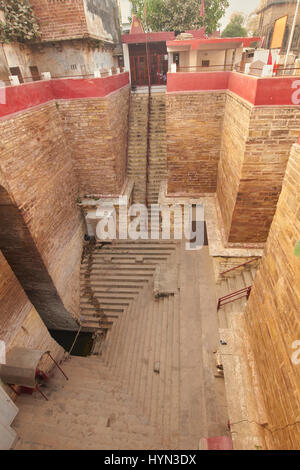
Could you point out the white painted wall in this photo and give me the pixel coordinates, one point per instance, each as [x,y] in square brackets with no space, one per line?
[8,412]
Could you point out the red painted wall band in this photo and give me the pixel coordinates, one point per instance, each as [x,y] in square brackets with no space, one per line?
[19,98]
[258,91]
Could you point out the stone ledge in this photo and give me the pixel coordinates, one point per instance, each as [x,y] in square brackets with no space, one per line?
[216,244]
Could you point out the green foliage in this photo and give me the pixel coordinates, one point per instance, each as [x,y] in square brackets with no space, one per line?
[20,23]
[179,15]
[235,28]
[297,249]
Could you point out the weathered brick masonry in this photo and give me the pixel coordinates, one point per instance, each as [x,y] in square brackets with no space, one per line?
[272,316]
[69,19]
[266,136]
[231,134]
[234,135]
[20,323]
[48,154]
[194,127]
[96,130]
[60,20]
[38,175]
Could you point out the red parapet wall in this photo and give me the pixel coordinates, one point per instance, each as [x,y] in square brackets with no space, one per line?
[178,82]
[258,91]
[26,96]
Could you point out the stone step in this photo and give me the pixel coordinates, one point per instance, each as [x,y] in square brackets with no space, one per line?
[104,301]
[65,437]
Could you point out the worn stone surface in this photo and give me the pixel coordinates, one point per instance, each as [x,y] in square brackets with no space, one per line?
[272,316]
[77,18]
[255,147]
[193,127]
[44,221]
[96,131]
[20,324]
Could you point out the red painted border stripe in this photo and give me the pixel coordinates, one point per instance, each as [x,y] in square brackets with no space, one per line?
[26,96]
[274,91]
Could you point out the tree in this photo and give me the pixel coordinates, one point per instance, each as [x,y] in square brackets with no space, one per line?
[179,15]
[20,23]
[235,28]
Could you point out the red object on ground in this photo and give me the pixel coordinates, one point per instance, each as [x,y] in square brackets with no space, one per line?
[216,443]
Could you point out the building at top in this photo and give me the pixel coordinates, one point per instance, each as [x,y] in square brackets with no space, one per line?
[126,11]
[272,10]
[76,38]
[196,54]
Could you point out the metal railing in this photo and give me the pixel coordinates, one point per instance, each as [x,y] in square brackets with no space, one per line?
[239,294]
[207,68]
[104,74]
[240,266]
[278,71]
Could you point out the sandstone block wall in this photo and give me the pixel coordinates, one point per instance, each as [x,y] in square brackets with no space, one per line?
[96,130]
[20,324]
[194,128]
[234,134]
[272,316]
[38,175]
[256,143]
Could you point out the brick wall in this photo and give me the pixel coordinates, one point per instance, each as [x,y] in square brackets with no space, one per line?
[272,316]
[234,135]
[37,172]
[255,147]
[96,131]
[193,128]
[20,324]
[65,19]
[60,20]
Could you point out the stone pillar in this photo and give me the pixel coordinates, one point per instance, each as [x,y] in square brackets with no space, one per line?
[14,80]
[193,62]
[170,60]
[126,59]
[46,76]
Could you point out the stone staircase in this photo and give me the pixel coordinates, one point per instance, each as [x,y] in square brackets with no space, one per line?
[128,396]
[137,152]
[158,146]
[232,282]
[152,384]
[245,404]
[112,276]
[137,145]
[90,411]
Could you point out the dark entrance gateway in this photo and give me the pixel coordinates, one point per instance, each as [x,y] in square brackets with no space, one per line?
[140,48]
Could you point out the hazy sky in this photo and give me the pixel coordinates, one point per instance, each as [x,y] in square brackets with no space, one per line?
[246,6]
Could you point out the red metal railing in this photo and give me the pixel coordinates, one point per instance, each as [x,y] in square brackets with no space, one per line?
[240,266]
[279,70]
[239,294]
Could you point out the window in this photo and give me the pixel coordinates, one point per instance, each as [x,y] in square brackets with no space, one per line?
[35,73]
[16,71]
[205,63]
[176,58]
